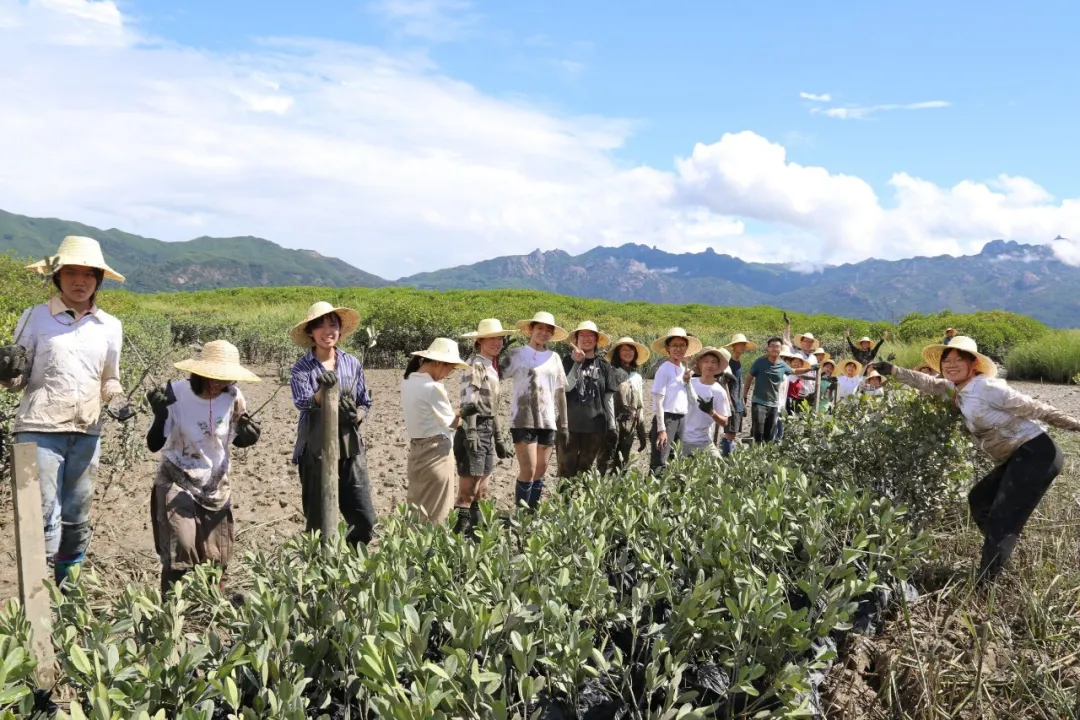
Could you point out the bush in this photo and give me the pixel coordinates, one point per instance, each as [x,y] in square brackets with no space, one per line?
[1054,357]
[718,588]
[995,331]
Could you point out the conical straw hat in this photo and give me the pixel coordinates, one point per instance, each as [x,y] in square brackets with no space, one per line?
[808,336]
[740,338]
[544,318]
[642,351]
[443,350]
[76,250]
[693,344]
[710,350]
[602,339]
[489,328]
[219,360]
[350,320]
[932,354]
[841,366]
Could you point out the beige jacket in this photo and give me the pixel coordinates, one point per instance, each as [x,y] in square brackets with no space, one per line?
[1000,418]
[73,367]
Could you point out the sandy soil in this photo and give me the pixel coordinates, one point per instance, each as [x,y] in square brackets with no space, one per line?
[266,492]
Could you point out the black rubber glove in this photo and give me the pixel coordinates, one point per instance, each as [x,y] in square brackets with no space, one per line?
[642,438]
[349,413]
[160,399]
[884,367]
[564,436]
[469,409]
[472,439]
[706,406]
[248,431]
[504,447]
[12,362]
[326,379]
[120,409]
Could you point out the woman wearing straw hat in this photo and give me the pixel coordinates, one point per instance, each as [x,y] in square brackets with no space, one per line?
[872,383]
[325,365]
[430,420]
[670,398]
[537,405]
[590,401]
[625,357]
[66,361]
[738,345]
[195,421]
[849,384]
[709,405]
[865,351]
[480,438]
[1009,426]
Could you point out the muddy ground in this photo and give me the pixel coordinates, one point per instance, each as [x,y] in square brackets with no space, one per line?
[266,492]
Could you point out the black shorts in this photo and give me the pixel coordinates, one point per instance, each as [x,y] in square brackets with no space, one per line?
[533,436]
[734,423]
[476,464]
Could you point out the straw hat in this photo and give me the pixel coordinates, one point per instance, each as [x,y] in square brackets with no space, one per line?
[219,360]
[740,338]
[841,365]
[710,350]
[820,355]
[642,351]
[544,318]
[874,374]
[489,328]
[693,344]
[864,339]
[350,320]
[923,368]
[932,354]
[949,330]
[602,339]
[828,361]
[442,350]
[76,250]
[808,336]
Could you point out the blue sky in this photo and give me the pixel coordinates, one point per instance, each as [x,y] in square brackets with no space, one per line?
[823,135]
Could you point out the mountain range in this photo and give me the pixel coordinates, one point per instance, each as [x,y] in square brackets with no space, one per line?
[1005,275]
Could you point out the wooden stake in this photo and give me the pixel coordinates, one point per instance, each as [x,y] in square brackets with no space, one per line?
[30,557]
[817,389]
[328,519]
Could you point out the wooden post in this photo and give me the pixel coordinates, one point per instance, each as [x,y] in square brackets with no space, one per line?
[817,389]
[328,495]
[30,558]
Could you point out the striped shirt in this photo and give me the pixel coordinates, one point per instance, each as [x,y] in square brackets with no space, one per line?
[350,374]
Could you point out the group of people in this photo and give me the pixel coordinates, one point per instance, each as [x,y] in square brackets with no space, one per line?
[590,406]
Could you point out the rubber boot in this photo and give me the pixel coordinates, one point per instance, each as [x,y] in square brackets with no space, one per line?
[537,491]
[474,517]
[464,522]
[169,578]
[726,447]
[522,492]
[995,556]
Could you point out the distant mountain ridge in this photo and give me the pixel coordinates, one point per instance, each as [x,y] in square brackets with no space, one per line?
[204,263]
[1005,275]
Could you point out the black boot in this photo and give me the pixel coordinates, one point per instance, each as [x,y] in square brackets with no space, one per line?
[474,520]
[995,555]
[464,523]
[169,578]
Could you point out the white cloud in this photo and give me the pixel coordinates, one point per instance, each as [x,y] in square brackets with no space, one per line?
[856,112]
[433,20]
[825,97]
[377,159]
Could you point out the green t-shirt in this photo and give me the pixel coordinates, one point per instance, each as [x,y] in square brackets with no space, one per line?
[767,380]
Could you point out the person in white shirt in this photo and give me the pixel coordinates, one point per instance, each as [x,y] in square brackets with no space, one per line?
[66,362]
[537,405]
[1008,426]
[850,381]
[872,384]
[670,399]
[710,406]
[430,420]
[195,422]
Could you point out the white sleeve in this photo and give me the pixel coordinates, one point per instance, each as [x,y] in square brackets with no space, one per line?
[441,407]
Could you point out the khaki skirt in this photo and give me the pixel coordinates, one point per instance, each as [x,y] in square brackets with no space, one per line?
[431,472]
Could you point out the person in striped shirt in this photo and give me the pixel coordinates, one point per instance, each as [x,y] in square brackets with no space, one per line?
[326,365]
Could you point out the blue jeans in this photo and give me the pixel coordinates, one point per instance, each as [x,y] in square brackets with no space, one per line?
[67,465]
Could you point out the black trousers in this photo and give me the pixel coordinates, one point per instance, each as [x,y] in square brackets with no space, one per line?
[614,458]
[763,420]
[676,430]
[579,455]
[1002,502]
[354,494]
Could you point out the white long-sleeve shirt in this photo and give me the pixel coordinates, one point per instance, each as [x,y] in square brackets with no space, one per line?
[998,417]
[72,368]
[426,407]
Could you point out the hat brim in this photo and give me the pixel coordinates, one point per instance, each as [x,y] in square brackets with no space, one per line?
[602,338]
[704,352]
[842,365]
[643,353]
[799,339]
[694,346]
[486,336]
[439,357]
[217,371]
[42,267]
[932,355]
[559,335]
[749,345]
[350,321]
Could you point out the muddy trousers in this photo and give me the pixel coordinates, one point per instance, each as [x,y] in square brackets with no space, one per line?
[1002,502]
[614,457]
[187,534]
[67,465]
[579,454]
[354,494]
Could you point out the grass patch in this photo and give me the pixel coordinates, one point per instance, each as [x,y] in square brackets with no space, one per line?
[1055,357]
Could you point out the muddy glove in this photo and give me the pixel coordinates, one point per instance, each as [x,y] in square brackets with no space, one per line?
[12,362]
[642,438]
[504,447]
[469,409]
[247,431]
[160,399]
[350,415]
[326,379]
[564,436]
[884,367]
[120,409]
[706,406]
